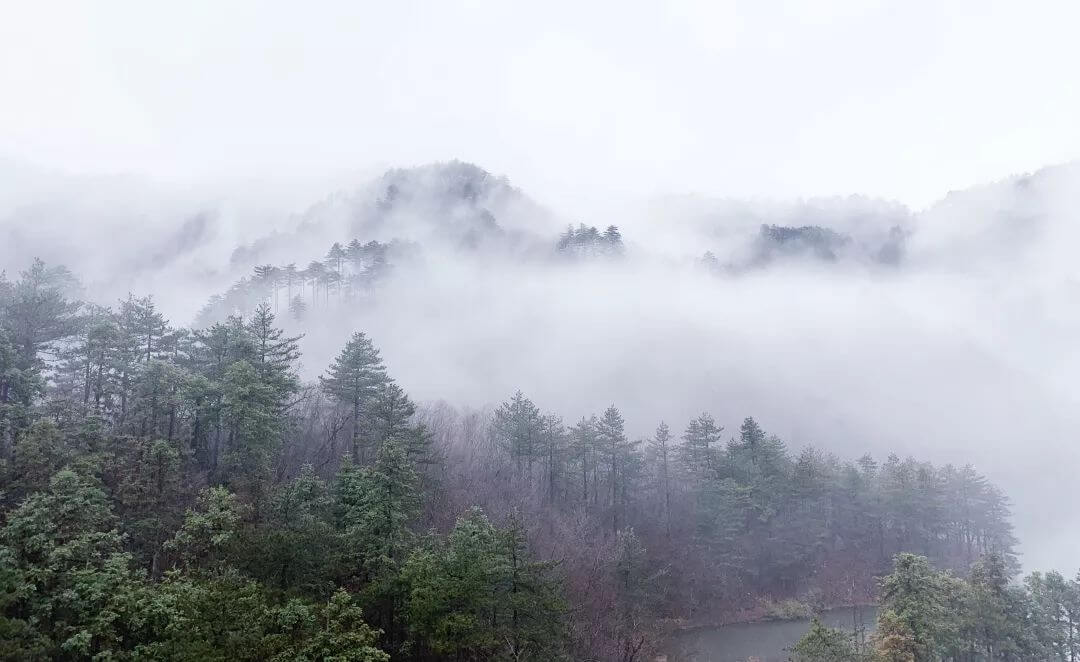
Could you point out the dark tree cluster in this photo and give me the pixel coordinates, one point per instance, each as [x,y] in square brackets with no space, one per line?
[730,521]
[929,616]
[176,494]
[586,241]
[349,272]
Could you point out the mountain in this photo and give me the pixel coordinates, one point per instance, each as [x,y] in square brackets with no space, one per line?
[452,205]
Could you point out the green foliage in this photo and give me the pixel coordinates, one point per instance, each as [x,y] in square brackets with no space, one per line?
[823,644]
[519,426]
[915,618]
[331,632]
[174,494]
[928,615]
[376,505]
[249,412]
[478,596]
[787,610]
[293,550]
[40,451]
[231,618]
[1055,615]
[354,380]
[66,574]
[209,532]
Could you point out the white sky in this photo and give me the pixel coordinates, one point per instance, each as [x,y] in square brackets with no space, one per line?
[572,100]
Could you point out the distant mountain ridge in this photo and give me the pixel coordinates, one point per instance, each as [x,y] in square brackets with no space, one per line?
[457,205]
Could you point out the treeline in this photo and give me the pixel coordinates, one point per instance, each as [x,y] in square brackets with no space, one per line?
[741,513]
[174,493]
[929,615]
[350,272]
[587,241]
[347,273]
[180,495]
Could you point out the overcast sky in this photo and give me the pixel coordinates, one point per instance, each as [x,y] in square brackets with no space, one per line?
[572,100]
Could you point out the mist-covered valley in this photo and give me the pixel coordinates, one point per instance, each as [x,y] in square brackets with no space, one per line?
[477,331]
[849,324]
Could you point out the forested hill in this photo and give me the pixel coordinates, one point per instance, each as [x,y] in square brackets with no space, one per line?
[454,205]
[181,494]
[338,250]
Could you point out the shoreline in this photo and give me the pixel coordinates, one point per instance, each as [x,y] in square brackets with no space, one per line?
[747,616]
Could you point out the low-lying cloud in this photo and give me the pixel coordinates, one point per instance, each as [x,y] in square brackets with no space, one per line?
[963,350]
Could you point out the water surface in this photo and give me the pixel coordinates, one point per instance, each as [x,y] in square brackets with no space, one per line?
[767,641]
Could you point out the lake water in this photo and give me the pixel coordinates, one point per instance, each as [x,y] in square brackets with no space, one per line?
[767,641]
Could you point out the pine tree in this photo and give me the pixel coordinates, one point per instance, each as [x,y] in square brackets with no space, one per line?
[208,537]
[298,308]
[63,566]
[553,449]
[751,439]
[479,595]
[698,453]
[613,244]
[333,631]
[150,327]
[315,272]
[391,413]
[823,644]
[127,353]
[612,440]
[250,413]
[275,353]
[376,506]
[18,388]
[660,452]
[583,438]
[265,281]
[295,547]
[354,380]
[535,627]
[148,496]
[915,621]
[290,275]
[518,427]
[35,315]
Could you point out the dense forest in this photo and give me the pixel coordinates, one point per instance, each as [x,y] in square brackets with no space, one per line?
[182,494]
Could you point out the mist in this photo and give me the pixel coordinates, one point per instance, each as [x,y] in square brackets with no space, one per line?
[854,222]
[962,351]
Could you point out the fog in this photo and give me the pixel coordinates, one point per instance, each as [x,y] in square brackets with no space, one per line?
[963,350]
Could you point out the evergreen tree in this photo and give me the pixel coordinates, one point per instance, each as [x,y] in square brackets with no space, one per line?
[618,453]
[698,453]
[294,547]
[552,448]
[250,411]
[613,240]
[275,353]
[823,644]
[64,570]
[209,535]
[583,436]
[298,308]
[391,413]
[660,452]
[35,314]
[915,621]
[354,380]
[479,596]
[519,426]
